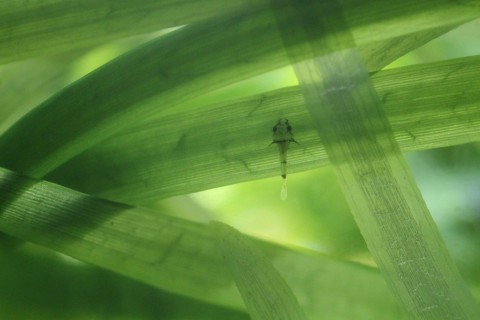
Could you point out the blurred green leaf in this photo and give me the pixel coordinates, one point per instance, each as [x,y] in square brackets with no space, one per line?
[35,28]
[137,112]
[383,197]
[40,284]
[177,67]
[265,293]
[177,255]
[227,143]
[20,93]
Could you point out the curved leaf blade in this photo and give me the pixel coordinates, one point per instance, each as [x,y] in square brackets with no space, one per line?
[34,28]
[381,192]
[263,289]
[176,255]
[180,66]
[193,157]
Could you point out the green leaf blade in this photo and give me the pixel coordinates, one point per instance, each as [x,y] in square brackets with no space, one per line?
[176,255]
[38,28]
[381,192]
[174,69]
[445,112]
[263,289]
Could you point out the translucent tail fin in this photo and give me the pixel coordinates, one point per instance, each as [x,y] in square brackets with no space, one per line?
[283,193]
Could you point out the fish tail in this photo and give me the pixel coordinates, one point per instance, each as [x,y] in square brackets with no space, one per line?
[283,193]
[283,162]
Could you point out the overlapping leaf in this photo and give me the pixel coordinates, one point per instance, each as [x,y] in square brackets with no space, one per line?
[129,99]
[429,106]
[382,194]
[177,255]
[194,60]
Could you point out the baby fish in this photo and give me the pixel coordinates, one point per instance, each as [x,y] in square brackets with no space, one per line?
[282,136]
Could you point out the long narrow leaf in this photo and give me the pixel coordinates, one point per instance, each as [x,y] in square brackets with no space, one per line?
[177,255]
[263,289]
[20,94]
[33,28]
[181,153]
[169,71]
[178,66]
[382,194]
[55,288]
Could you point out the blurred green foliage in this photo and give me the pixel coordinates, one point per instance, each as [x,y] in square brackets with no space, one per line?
[39,284]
